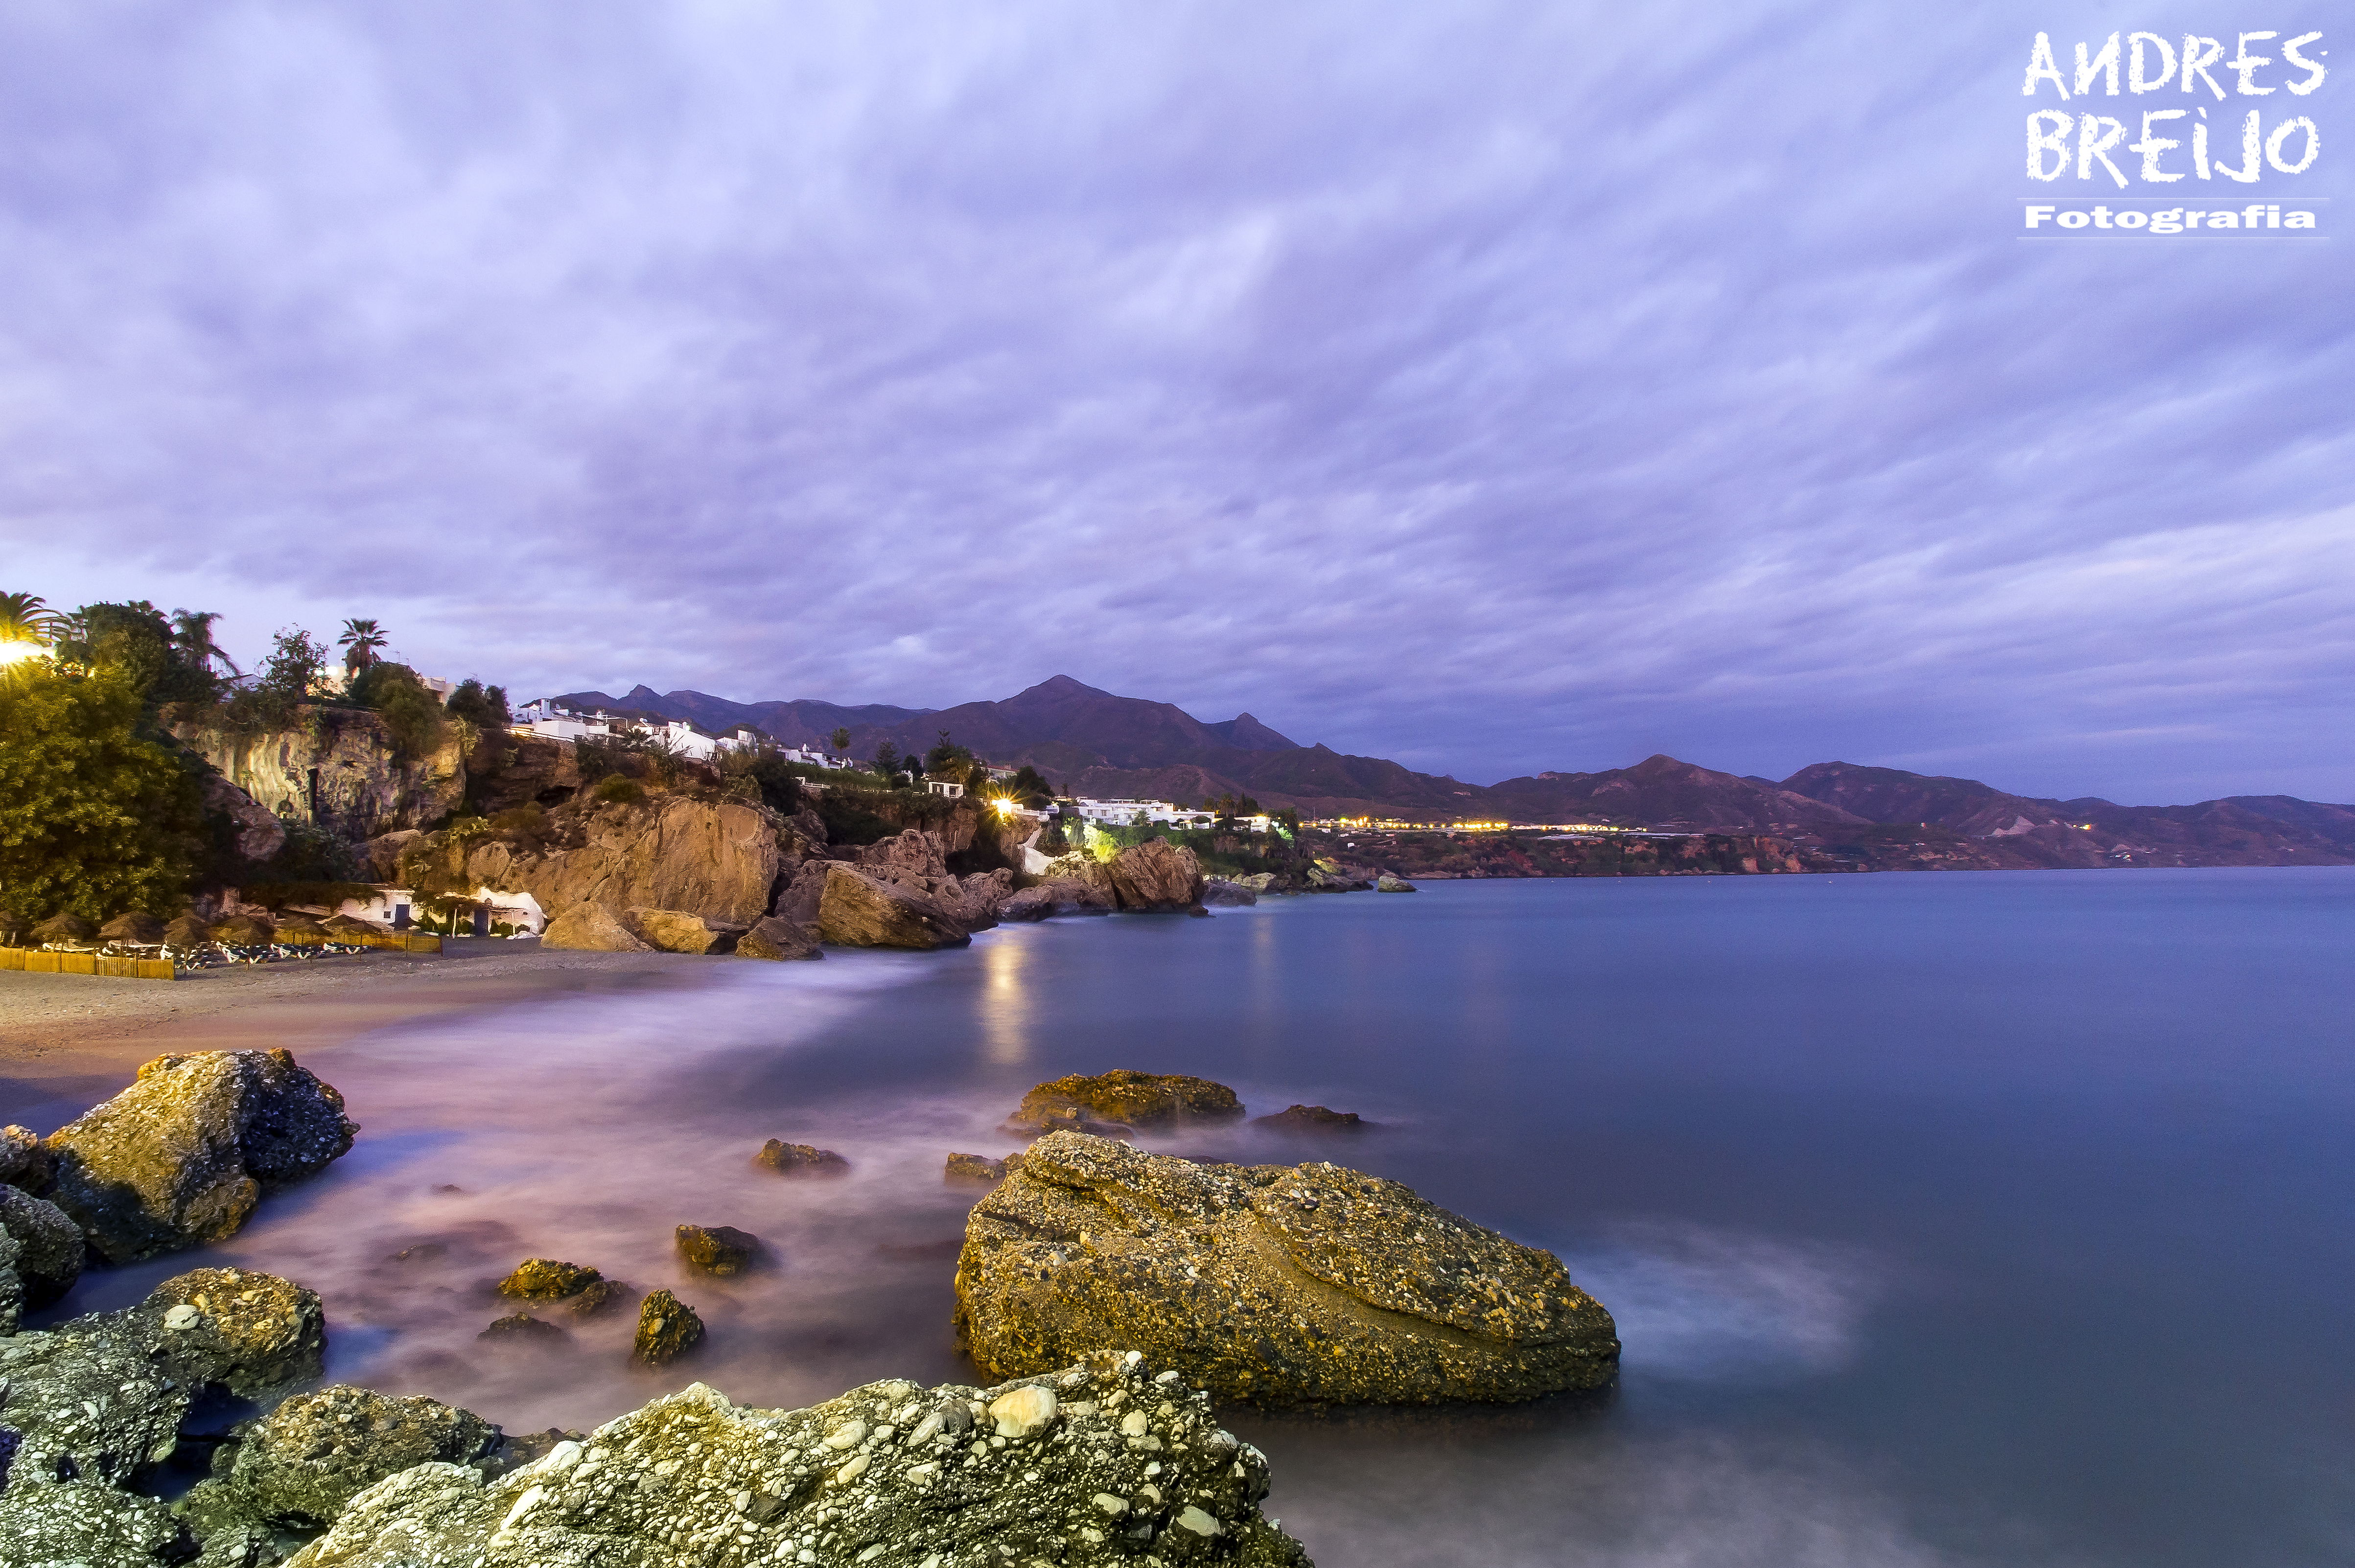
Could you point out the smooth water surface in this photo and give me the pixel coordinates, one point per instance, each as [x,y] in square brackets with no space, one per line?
[1947,1218]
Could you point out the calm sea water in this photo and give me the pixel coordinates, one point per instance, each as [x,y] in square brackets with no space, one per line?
[1947,1219]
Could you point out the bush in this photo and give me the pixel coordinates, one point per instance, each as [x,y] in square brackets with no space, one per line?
[615,787]
[411,714]
[479,704]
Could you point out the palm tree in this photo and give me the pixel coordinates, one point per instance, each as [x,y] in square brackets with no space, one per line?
[192,634]
[26,618]
[361,638]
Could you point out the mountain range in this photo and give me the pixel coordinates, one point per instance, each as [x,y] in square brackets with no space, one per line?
[1091,742]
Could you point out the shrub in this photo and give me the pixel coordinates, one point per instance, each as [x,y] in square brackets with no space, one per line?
[480,704]
[411,714]
[616,788]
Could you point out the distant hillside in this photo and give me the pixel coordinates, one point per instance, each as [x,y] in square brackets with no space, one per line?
[1091,742]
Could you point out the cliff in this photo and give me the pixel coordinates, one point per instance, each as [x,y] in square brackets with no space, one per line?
[340,770]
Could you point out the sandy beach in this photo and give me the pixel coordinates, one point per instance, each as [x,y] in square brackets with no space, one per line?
[73,1040]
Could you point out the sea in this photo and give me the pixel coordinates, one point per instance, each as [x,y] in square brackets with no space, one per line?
[1947,1218]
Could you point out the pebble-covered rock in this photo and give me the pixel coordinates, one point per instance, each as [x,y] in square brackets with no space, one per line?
[721,1250]
[86,1404]
[1127,1099]
[548,1280]
[800,1159]
[41,1254]
[1103,1463]
[87,1524]
[24,1162]
[979,1168]
[523,1328]
[667,1330]
[253,1334]
[1279,1284]
[181,1157]
[315,1452]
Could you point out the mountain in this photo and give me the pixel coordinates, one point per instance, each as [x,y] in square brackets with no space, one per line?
[1663,792]
[797,723]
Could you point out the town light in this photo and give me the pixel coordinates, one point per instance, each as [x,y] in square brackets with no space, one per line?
[17,652]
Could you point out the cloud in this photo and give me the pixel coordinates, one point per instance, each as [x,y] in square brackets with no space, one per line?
[1492,387]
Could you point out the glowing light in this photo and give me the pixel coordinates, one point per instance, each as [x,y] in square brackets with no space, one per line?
[16,653]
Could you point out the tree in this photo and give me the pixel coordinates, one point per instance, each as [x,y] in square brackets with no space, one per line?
[93,819]
[26,618]
[361,640]
[480,704]
[411,714]
[841,738]
[1028,787]
[887,759]
[192,637]
[947,757]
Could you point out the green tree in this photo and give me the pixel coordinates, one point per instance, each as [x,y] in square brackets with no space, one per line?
[841,738]
[192,636]
[359,642]
[947,757]
[411,714]
[1028,787]
[480,704]
[887,759]
[26,618]
[93,819]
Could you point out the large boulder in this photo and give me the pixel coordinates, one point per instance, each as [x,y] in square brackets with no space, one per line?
[1219,890]
[181,1157]
[1080,882]
[48,1248]
[87,1524]
[592,928]
[24,1162]
[860,909]
[307,1458]
[1156,875]
[86,1404]
[252,1334]
[1130,1098]
[1029,904]
[383,853]
[677,931]
[1278,1284]
[1100,1464]
[667,1328]
[799,897]
[778,940]
[720,860]
[917,860]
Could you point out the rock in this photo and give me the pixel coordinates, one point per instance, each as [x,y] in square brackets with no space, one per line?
[1311,1119]
[592,928]
[383,853]
[1277,1284]
[1390,881]
[1080,882]
[800,1159]
[181,1157]
[133,928]
[49,1248]
[593,1299]
[86,1404]
[307,1458]
[692,1478]
[1156,875]
[721,1250]
[1260,882]
[337,769]
[798,900]
[243,931]
[980,1168]
[1331,876]
[252,1334]
[1029,904]
[779,940]
[546,1279]
[861,910]
[184,932]
[86,1524]
[675,931]
[523,1328]
[24,1162]
[667,1330]
[66,931]
[1219,891]
[719,859]
[1125,1098]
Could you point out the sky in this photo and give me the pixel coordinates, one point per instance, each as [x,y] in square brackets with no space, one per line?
[1495,387]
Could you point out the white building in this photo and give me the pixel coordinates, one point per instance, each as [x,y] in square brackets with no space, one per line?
[1159,813]
[811,757]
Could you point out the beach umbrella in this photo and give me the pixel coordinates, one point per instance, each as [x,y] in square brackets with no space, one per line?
[241,931]
[134,926]
[60,929]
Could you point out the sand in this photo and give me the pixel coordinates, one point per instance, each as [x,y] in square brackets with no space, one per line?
[70,1041]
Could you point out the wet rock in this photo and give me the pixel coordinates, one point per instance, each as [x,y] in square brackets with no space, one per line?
[675,931]
[885,1473]
[1127,1099]
[87,1524]
[1391,882]
[1155,877]
[86,1404]
[592,928]
[546,1279]
[980,1168]
[860,909]
[800,1159]
[597,1298]
[1029,904]
[721,1250]
[1219,891]
[24,1162]
[134,926]
[1278,1284]
[182,1156]
[523,1328]
[667,1330]
[252,1334]
[778,940]
[307,1458]
[49,1248]
[1311,1119]
[1080,883]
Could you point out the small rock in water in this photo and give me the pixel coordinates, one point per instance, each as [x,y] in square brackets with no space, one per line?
[667,1328]
[1313,1119]
[523,1328]
[722,1250]
[800,1159]
[979,1168]
[423,1252]
[1122,1098]
[595,1298]
[546,1279]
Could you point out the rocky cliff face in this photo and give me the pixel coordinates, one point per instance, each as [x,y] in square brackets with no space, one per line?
[340,770]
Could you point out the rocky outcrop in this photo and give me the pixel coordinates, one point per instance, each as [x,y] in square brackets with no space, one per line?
[719,859]
[677,931]
[1331,877]
[859,909]
[778,940]
[721,1250]
[340,770]
[307,1458]
[24,1162]
[1029,904]
[509,770]
[800,1159]
[1219,891]
[979,1168]
[41,1254]
[1155,877]
[592,928]
[1390,882]
[258,833]
[917,861]
[1098,1463]
[181,1157]
[548,1280]
[667,1328]
[1131,1099]
[251,1334]
[799,899]
[382,854]
[87,1524]
[1278,1284]
[1312,1119]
